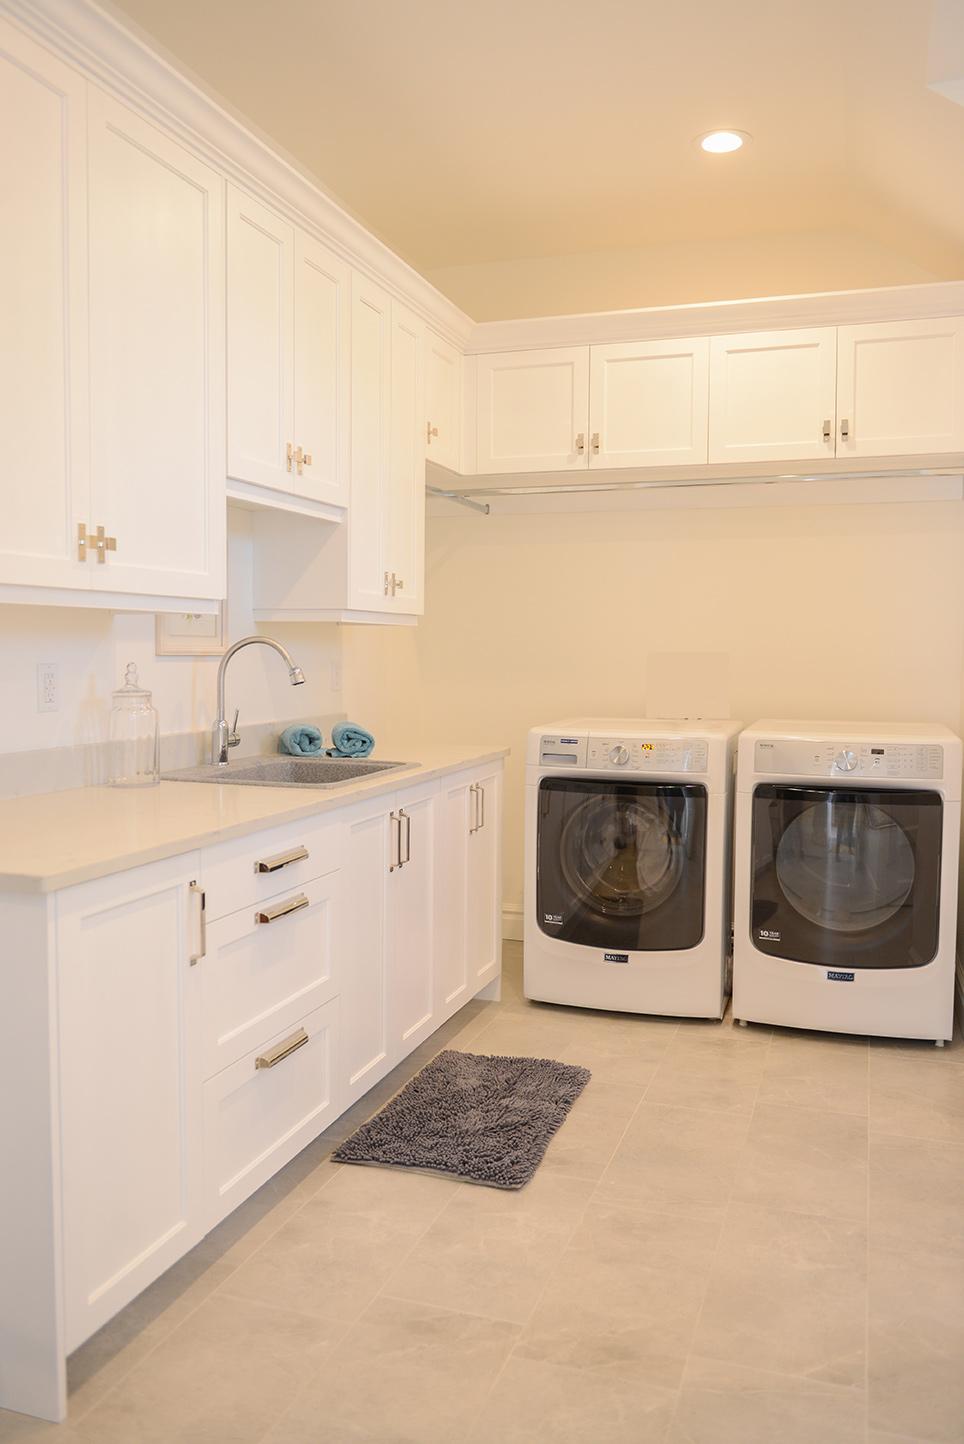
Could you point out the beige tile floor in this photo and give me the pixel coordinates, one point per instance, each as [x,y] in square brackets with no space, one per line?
[739,1236]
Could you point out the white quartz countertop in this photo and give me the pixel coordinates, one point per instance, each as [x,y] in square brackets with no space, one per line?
[57,839]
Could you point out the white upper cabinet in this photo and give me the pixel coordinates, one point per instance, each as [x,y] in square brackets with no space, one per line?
[260,291]
[156,217]
[43,303]
[533,411]
[371,403]
[443,402]
[648,403]
[900,388]
[322,372]
[404,544]
[288,359]
[772,396]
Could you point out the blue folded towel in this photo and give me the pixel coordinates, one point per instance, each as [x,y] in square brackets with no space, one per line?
[300,741]
[350,740]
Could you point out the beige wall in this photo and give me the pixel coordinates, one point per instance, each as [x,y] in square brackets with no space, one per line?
[687,272]
[825,611]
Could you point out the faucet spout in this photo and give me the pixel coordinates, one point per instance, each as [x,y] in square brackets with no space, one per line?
[223,737]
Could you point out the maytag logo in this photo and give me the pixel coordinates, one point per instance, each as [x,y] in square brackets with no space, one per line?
[835,977]
[615,957]
[569,741]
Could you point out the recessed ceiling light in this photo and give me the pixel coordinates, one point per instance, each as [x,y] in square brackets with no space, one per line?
[720,142]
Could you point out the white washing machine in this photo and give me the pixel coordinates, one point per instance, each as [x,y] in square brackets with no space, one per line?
[846,849]
[628,864]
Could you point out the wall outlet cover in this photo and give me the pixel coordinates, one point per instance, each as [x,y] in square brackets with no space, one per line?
[48,687]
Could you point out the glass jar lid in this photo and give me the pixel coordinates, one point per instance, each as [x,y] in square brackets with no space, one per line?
[132,691]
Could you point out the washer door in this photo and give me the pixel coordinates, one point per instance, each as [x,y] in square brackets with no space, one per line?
[847,878]
[621,864]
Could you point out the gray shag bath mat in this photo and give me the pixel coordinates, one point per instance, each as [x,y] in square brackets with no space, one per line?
[481,1119]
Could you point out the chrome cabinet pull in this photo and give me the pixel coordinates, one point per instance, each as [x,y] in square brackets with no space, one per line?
[202,925]
[281,859]
[289,454]
[396,862]
[844,429]
[481,786]
[399,583]
[404,816]
[474,789]
[281,909]
[430,432]
[284,1050]
[595,443]
[828,430]
[581,443]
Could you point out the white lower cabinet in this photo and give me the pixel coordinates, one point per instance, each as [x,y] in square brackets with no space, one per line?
[411,916]
[130,1016]
[468,913]
[266,1107]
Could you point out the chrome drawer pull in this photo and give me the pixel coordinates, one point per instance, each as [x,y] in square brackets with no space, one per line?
[282,909]
[281,859]
[202,930]
[282,1051]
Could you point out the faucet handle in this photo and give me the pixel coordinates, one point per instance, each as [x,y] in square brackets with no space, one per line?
[234,737]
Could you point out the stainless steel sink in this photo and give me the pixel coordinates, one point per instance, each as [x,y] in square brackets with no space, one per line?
[285,772]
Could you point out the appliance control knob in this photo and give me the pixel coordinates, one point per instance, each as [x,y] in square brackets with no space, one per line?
[619,755]
[846,760]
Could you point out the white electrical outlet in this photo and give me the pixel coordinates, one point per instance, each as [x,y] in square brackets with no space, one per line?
[48,687]
[336,676]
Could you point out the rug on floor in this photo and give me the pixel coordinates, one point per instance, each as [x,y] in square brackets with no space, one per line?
[482,1119]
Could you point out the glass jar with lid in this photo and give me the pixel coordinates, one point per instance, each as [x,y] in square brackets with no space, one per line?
[134,746]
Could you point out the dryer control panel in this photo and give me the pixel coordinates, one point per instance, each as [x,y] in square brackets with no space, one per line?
[659,754]
[788,756]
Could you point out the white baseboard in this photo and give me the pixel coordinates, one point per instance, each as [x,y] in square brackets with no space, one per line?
[512,924]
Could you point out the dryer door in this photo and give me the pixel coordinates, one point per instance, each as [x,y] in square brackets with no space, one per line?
[846,878]
[621,864]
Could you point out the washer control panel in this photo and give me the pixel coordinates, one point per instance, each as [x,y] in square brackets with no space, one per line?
[661,754]
[865,760]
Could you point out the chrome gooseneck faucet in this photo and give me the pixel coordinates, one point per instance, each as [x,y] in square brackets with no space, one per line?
[223,738]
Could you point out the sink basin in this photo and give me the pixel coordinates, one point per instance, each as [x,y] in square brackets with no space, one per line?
[285,772]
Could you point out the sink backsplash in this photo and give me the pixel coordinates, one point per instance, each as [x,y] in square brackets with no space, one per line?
[54,769]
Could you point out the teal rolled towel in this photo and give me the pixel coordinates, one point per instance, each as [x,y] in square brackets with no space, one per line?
[350,740]
[300,741]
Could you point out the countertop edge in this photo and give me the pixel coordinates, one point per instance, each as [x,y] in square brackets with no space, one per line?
[341,799]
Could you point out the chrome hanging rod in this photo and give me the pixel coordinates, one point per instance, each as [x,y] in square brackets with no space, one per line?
[459,499]
[468,497]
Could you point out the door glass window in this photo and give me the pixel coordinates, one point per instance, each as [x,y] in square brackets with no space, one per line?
[845,865]
[622,855]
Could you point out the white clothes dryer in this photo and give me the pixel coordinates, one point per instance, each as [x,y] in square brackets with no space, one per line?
[846,853]
[628,864]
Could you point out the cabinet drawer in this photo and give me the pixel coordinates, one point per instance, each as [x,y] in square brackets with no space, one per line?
[253,869]
[266,966]
[267,1106]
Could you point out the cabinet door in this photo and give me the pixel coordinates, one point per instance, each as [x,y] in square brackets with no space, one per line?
[411,932]
[322,366]
[772,395]
[129,1035]
[369,853]
[43,303]
[455,818]
[260,341]
[371,383]
[156,358]
[443,402]
[533,411]
[900,388]
[484,888]
[648,403]
[405,511]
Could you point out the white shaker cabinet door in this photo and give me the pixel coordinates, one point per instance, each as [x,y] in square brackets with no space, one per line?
[455,818]
[484,880]
[371,388]
[129,1019]
[405,509]
[443,402]
[322,373]
[900,388]
[260,340]
[772,396]
[533,411]
[156,358]
[648,403]
[411,932]
[369,844]
[43,305]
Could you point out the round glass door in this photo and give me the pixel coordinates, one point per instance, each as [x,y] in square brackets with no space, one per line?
[845,865]
[622,855]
